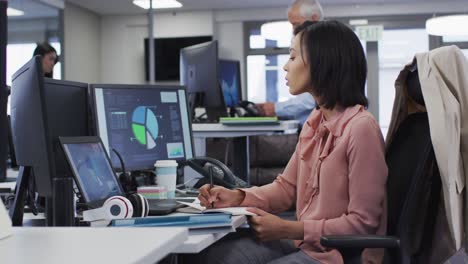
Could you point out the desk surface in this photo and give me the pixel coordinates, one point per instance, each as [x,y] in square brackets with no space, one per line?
[220,130]
[197,243]
[89,245]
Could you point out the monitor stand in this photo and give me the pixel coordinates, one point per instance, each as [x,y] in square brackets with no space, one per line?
[59,209]
[22,183]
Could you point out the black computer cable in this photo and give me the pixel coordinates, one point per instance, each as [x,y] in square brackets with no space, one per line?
[122,164]
[126,179]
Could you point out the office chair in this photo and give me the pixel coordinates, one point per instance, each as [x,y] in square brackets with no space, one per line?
[413,191]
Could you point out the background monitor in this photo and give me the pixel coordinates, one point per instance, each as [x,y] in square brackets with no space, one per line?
[229,76]
[143,123]
[199,73]
[43,109]
[166,56]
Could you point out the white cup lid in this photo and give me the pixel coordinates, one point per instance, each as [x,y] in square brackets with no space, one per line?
[165,163]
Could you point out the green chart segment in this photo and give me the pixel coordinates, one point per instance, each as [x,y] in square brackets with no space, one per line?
[145,126]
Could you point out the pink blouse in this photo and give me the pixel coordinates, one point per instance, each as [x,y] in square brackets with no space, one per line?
[336,176]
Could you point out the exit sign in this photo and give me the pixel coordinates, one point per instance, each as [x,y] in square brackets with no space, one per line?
[370,33]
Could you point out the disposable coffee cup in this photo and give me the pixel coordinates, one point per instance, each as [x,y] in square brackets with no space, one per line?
[166,175]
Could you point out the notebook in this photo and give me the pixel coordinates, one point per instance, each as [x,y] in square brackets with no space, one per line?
[189,221]
[196,208]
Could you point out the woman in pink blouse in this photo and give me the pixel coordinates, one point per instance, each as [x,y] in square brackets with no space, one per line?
[337,174]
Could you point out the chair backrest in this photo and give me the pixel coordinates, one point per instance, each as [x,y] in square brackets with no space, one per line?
[413,186]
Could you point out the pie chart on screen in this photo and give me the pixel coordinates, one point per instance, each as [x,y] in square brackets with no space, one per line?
[145,126]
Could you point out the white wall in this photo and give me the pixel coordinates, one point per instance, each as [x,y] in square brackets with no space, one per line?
[122,41]
[81,49]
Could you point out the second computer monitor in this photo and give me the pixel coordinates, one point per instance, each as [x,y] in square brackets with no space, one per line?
[143,123]
[199,73]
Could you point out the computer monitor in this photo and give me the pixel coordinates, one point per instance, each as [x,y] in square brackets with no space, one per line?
[91,168]
[229,75]
[43,109]
[143,123]
[199,73]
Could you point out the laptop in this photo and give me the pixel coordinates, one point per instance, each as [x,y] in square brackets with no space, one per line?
[95,178]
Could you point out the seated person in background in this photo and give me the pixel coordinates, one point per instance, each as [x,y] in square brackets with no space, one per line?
[337,174]
[49,57]
[299,107]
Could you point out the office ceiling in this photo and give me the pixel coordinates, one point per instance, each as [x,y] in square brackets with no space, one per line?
[35,9]
[115,7]
[32,9]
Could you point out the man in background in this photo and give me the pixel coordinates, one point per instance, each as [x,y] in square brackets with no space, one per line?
[302,105]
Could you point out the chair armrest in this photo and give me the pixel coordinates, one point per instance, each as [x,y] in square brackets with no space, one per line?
[360,241]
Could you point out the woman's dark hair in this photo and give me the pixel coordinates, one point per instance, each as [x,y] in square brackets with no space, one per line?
[337,63]
[44,48]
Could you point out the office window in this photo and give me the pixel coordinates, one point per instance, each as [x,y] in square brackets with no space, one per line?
[455,38]
[465,51]
[266,71]
[265,61]
[396,49]
[19,54]
[282,37]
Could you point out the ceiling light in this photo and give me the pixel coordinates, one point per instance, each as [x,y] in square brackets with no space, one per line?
[14,12]
[158,4]
[276,30]
[454,25]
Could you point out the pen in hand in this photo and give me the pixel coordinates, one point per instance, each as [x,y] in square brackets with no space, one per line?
[210,170]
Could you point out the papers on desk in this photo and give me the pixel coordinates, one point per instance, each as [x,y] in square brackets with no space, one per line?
[196,208]
[190,221]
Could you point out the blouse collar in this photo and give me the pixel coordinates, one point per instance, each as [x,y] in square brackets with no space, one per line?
[336,125]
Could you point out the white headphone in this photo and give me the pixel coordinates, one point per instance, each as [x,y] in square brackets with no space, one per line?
[114,207]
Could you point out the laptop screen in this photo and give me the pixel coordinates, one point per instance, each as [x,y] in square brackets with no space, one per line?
[93,172]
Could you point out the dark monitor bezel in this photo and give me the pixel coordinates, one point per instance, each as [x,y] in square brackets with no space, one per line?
[95,122]
[239,78]
[88,140]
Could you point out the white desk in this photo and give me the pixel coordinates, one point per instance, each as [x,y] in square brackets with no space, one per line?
[11,177]
[241,164]
[197,243]
[89,245]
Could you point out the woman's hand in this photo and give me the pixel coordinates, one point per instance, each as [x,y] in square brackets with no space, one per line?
[270,227]
[219,197]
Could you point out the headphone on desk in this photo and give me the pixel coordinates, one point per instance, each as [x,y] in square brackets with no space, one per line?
[118,207]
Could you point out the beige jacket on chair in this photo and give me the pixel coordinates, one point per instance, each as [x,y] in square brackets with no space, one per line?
[443,75]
